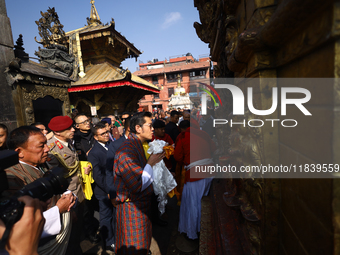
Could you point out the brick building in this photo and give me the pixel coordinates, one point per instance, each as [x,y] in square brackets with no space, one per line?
[164,74]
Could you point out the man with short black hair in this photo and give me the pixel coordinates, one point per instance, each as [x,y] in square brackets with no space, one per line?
[3,137]
[30,144]
[133,178]
[159,132]
[97,157]
[41,127]
[125,115]
[109,127]
[171,128]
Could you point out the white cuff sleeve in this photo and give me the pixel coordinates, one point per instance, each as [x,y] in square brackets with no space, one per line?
[147,176]
[52,225]
[68,192]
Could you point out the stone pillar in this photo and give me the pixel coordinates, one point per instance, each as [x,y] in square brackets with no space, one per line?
[7,109]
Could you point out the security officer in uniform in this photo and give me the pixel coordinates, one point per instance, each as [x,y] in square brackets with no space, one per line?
[65,156]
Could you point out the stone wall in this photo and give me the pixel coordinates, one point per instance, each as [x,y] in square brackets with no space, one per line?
[7,109]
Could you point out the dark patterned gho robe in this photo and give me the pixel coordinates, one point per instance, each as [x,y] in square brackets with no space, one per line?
[133,229]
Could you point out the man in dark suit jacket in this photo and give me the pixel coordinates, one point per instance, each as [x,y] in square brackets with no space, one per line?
[113,147]
[97,157]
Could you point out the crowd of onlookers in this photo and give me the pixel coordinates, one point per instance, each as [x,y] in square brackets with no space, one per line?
[108,169]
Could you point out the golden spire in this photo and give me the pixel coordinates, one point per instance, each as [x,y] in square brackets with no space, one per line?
[94,17]
[178,81]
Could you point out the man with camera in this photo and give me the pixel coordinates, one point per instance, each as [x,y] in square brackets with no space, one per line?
[30,144]
[25,234]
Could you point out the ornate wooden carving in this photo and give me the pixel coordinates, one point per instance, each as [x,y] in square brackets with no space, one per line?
[33,92]
[50,29]
[53,38]
[247,193]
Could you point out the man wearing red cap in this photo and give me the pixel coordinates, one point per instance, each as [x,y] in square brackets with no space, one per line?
[61,147]
[65,156]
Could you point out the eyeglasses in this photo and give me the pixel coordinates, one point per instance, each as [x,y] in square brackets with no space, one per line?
[150,125]
[105,133]
[84,122]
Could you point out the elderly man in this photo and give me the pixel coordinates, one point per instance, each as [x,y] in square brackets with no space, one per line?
[186,115]
[83,143]
[66,156]
[83,136]
[117,127]
[132,179]
[32,150]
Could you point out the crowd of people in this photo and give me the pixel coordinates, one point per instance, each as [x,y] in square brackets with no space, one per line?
[108,157]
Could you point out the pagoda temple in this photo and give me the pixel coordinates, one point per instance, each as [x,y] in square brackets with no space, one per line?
[99,81]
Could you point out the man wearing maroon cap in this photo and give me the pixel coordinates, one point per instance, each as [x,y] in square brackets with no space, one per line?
[61,147]
[65,156]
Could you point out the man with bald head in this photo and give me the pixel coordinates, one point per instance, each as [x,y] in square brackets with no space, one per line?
[186,115]
[83,136]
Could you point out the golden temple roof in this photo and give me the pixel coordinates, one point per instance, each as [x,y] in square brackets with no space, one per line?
[88,28]
[105,72]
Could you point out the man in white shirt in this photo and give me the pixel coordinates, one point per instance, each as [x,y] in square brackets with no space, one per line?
[97,157]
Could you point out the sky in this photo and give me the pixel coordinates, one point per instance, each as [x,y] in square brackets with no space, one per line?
[159,29]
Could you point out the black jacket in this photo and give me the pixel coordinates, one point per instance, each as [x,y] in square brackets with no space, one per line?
[83,142]
[97,157]
[172,130]
[113,148]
